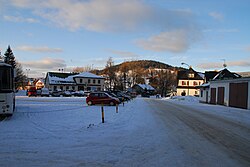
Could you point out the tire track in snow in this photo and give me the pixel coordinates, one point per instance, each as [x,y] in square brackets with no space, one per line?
[232,136]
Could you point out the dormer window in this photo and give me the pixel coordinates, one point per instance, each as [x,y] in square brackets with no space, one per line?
[191,75]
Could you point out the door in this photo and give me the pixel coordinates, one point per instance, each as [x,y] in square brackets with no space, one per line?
[213,96]
[221,95]
[206,96]
[238,95]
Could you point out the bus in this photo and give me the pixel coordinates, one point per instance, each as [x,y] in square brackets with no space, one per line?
[7,89]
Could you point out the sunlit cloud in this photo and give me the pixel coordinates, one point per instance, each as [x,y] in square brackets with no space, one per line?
[20,19]
[43,49]
[216,65]
[217,16]
[247,48]
[124,54]
[173,41]
[45,63]
[106,16]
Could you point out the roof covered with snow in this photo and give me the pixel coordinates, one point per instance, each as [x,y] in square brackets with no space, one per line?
[68,78]
[87,75]
[146,86]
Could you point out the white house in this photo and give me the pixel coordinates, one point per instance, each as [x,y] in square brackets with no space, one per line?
[70,81]
[187,82]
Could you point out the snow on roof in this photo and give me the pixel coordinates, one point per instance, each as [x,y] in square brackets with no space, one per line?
[53,79]
[88,75]
[201,75]
[58,80]
[148,87]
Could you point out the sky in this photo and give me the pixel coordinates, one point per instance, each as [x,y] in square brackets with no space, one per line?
[49,35]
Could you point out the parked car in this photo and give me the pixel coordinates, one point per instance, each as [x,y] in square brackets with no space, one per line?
[121,95]
[32,91]
[45,92]
[145,94]
[79,93]
[101,98]
[56,93]
[66,93]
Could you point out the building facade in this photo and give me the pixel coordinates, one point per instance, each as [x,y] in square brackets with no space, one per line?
[188,82]
[231,92]
[75,82]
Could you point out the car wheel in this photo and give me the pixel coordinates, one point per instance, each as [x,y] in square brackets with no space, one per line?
[112,103]
[89,103]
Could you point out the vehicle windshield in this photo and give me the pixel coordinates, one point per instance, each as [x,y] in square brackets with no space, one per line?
[6,81]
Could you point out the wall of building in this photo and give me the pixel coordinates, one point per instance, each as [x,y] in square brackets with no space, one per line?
[226,85]
[192,91]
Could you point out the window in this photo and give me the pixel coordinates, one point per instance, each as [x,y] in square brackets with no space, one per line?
[183,83]
[201,93]
[99,81]
[61,87]
[55,87]
[67,87]
[80,80]
[88,80]
[195,83]
[103,95]
[94,81]
[191,75]
[73,88]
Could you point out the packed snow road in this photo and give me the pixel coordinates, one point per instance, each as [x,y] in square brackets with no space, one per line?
[145,132]
[204,134]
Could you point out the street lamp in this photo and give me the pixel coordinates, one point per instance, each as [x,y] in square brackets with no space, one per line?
[188,74]
[27,71]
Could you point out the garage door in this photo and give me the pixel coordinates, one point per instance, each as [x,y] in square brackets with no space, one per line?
[221,95]
[213,96]
[238,95]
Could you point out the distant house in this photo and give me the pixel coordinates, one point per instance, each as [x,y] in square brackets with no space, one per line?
[140,88]
[38,83]
[226,88]
[85,81]
[187,82]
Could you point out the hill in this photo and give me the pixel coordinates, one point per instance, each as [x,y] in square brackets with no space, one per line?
[140,64]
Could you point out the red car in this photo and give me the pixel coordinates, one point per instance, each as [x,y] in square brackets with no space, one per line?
[101,98]
[32,91]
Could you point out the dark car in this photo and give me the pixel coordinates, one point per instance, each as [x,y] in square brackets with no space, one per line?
[121,95]
[101,98]
[145,94]
[56,93]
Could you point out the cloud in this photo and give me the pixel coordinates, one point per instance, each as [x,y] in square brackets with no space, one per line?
[124,54]
[247,48]
[46,64]
[173,41]
[214,65]
[43,49]
[217,16]
[177,29]
[20,19]
[106,16]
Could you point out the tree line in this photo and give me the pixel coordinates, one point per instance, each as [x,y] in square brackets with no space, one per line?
[9,58]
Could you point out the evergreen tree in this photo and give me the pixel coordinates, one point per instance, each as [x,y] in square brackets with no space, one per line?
[9,57]
[21,78]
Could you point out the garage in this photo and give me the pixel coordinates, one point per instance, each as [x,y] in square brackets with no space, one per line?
[238,95]
[230,92]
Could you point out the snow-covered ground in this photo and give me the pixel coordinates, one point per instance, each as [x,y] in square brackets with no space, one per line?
[64,131]
[236,114]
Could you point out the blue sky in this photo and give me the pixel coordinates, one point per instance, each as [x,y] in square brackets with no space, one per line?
[49,35]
